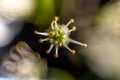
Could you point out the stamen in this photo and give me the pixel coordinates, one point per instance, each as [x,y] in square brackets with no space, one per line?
[73,51]
[35,32]
[67,47]
[52,26]
[56,52]
[56,19]
[79,43]
[51,40]
[51,46]
[63,40]
[42,40]
[56,42]
[53,33]
[41,33]
[60,44]
[73,29]
[57,35]
[64,36]
[85,45]
[71,21]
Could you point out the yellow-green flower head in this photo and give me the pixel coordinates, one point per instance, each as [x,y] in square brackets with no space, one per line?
[59,35]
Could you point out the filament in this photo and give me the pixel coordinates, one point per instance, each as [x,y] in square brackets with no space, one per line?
[41,33]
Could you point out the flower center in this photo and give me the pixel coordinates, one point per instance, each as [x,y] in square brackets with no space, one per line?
[59,35]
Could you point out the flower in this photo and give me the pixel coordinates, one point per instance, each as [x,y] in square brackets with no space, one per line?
[59,35]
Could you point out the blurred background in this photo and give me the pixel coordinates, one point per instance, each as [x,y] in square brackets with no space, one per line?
[97,23]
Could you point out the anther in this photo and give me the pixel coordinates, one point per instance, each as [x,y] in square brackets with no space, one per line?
[60,44]
[47,52]
[51,40]
[56,55]
[53,33]
[63,40]
[35,32]
[74,28]
[41,40]
[73,51]
[56,42]
[72,20]
[85,45]
[57,35]
[56,18]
